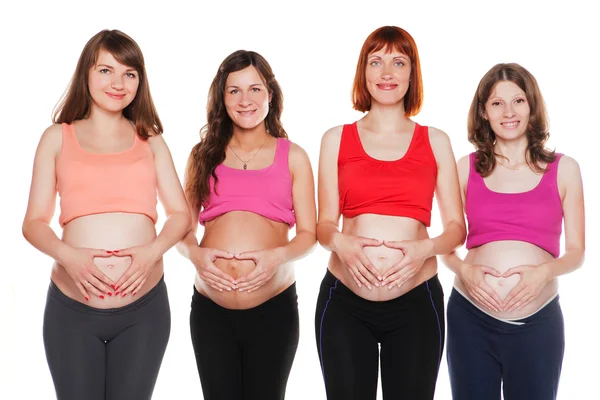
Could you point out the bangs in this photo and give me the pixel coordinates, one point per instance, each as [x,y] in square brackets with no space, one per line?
[124,51]
[390,40]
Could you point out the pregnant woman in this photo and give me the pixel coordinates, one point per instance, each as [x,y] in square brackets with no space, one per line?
[505,326]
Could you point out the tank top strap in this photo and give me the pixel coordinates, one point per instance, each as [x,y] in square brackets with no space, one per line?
[282,153]
[69,141]
[551,175]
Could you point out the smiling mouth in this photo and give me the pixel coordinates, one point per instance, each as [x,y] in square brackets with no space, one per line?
[249,112]
[387,86]
[115,96]
[510,125]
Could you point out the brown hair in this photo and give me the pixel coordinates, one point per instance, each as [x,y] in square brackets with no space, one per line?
[480,132]
[216,134]
[390,38]
[76,103]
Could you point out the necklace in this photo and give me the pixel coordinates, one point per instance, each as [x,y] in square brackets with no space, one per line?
[246,162]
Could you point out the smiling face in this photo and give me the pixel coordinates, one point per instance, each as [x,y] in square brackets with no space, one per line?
[387,76]
[112,85]
[507,111]
[246,98]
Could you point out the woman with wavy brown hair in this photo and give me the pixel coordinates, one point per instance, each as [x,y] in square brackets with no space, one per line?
[247,184]
[107,317]
[505,325]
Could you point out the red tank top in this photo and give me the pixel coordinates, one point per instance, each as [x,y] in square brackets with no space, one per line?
[401,187]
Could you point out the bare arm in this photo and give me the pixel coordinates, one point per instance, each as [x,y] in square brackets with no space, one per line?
[303,195]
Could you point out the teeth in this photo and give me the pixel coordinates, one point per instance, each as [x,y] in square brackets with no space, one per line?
[510,124]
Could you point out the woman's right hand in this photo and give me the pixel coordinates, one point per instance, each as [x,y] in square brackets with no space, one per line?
[79,264]
[204,261]
[349,249]
[473,277]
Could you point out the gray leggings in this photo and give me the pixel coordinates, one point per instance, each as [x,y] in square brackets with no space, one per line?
[106,354]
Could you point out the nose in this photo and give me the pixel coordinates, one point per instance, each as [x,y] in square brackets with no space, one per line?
[509,110]
[245,99]
[117,82]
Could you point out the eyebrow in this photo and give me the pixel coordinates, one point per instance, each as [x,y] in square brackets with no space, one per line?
[252,85]
[111,67]
[377,56]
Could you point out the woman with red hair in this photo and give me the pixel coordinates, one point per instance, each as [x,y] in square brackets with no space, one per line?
[381,288]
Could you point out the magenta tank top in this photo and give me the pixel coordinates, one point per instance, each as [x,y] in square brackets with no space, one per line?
[534,216]
[266,191]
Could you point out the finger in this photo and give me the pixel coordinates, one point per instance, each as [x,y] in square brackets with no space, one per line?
[102,277]
[137,289]
[215,285]
[492,271]
[396,268]
[248,255]
[512,271]
[519,302]
[101,253]
[405,277]
[389,281]
[82,290]
[525,302]
[134,284]
[128,252]
[488,300]
[222,254]
[257,286]
[251,282]
[368,275]
[222,282]
[212,269]
[480,300]
[369,242]
[126,276]
[125,288]
[354,277]
[394,244]
[92,289]
[97,283]
[491,295]
[515,299]
[364,260]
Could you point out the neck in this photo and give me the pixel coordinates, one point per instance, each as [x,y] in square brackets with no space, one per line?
[249,138]
[387,118]
[515,151]
[104,122]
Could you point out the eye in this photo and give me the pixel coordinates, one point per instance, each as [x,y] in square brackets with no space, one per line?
[399,63]
[130,75]
[104,71]
[496,103]
[375,63]
[519,101]
[256,89]
[233,91]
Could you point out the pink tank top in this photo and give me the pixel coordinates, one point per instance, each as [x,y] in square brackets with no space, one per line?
[534,216]
[266,191]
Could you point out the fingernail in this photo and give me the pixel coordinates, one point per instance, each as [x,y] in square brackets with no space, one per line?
[380,278]
[390,287]
[101,296]
[116,293]
[117,288]
[115,251]
[109,293]
[376,284]
[109,252]
[124,294]
[87,298]
[134,293]
[112,286]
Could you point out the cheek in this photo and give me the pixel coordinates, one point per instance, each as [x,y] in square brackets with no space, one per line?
[133,86]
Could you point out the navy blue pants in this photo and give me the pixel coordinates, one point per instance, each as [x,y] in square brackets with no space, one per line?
[350,331]
[485,353]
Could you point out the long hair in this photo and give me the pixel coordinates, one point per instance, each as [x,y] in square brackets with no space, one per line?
[389,38]
[216,134]
[77,102]
[483,137]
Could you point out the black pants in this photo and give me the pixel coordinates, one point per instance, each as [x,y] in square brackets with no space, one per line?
[485,354]
[245,354]
[410,330]
[106,354]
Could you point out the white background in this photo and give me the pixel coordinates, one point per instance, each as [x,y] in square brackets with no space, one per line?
[313,49]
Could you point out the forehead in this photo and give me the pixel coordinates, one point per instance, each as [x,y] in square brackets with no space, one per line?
[506,89]
[105,57]
[390,49]
[246,76]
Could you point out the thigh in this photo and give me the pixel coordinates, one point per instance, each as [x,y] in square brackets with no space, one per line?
[269,348]
[474,368]
[411,351]
[348,350]
[75,355]
[533,356]
[135,353]
[217,350]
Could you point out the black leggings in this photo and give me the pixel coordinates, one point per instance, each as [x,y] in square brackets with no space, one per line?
[106,354]
[410,330]
[245,354]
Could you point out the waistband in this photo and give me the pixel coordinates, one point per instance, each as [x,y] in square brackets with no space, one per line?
[287,295]
[55,293]
[546,310]
[424,289]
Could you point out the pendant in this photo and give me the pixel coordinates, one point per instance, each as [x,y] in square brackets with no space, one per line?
[245,166]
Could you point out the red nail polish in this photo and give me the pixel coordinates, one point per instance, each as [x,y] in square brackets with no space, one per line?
[117,288]
[109,252]
[87,299]
[115,251]
[112,286]
[124,294]
[109,293]
[101,296]
[116,293]
[134,293]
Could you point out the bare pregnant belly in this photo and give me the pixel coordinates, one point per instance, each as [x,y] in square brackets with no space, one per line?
[502,256]
[238,232]
[389,228]
[109,231]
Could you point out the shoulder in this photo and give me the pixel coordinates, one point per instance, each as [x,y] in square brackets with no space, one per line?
[298,156]
[52,137]
[438,138]
[157,143]
[463,165]
[332,137]
[568,167]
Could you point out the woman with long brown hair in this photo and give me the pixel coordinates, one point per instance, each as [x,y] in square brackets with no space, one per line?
[381,287]
[505,325]
[247,184]
[107,317]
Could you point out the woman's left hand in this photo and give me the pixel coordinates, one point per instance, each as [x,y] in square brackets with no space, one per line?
[143,260]
[415,254]
[266,262]
[533,279]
